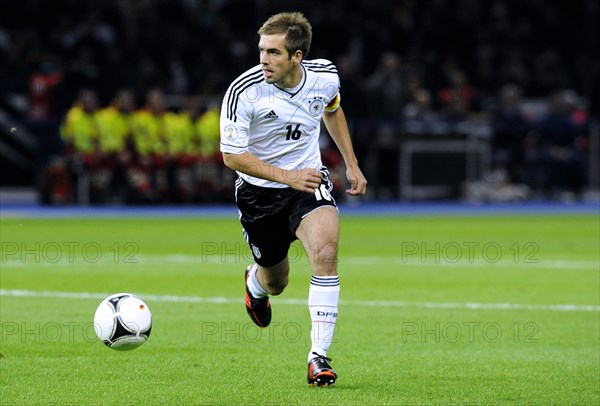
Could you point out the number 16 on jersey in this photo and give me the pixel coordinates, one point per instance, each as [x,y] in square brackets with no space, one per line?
[294,134]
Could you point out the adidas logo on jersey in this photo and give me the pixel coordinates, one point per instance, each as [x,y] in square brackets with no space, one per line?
[271,115]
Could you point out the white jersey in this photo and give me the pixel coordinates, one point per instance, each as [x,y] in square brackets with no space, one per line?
[279,126]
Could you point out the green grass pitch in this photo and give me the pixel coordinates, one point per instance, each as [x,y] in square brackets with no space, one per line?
[434,310]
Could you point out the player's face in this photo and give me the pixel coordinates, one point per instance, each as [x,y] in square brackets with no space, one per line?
[278,67]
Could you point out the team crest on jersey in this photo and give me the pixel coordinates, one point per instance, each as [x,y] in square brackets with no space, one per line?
[316,107]
[231,132]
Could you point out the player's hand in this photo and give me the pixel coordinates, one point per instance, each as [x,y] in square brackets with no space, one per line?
[305,180]
[358,182]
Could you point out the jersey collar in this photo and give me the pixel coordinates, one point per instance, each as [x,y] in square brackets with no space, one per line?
[295,90]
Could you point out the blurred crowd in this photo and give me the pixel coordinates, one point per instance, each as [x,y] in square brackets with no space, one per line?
[146,155]
[407,67]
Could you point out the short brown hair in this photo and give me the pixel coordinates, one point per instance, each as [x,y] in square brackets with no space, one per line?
[297,30]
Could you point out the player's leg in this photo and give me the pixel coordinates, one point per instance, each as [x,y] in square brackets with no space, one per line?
[273,279]
[267,280]
[260,283]
[319,233]
[264,217]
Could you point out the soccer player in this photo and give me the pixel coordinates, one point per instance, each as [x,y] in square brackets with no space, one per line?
[270,126]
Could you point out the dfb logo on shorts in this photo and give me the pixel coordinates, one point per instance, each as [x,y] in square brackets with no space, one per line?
[256,251]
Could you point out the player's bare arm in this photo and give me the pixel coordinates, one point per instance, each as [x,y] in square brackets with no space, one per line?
[305,179]
[338,129]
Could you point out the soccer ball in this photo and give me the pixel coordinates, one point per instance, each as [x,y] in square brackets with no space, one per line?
[123,322]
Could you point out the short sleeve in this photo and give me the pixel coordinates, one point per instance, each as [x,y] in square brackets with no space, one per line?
[234,125]
[330,82]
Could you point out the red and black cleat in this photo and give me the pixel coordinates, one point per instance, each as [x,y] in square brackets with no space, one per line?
[259,309]
[320,372]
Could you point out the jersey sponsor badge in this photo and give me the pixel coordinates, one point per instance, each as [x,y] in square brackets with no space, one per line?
[271,115]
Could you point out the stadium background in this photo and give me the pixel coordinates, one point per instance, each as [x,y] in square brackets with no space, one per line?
[512,85]
[442,303]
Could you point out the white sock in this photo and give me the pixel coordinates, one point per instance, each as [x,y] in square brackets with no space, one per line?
[323,298]
[255,289]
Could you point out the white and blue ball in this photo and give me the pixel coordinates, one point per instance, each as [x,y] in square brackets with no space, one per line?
[123,321]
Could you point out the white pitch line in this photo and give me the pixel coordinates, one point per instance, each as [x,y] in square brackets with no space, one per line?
[384,260]
[361,303]
[412,261]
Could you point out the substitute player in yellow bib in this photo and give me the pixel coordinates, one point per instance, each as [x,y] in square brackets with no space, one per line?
[270,125]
